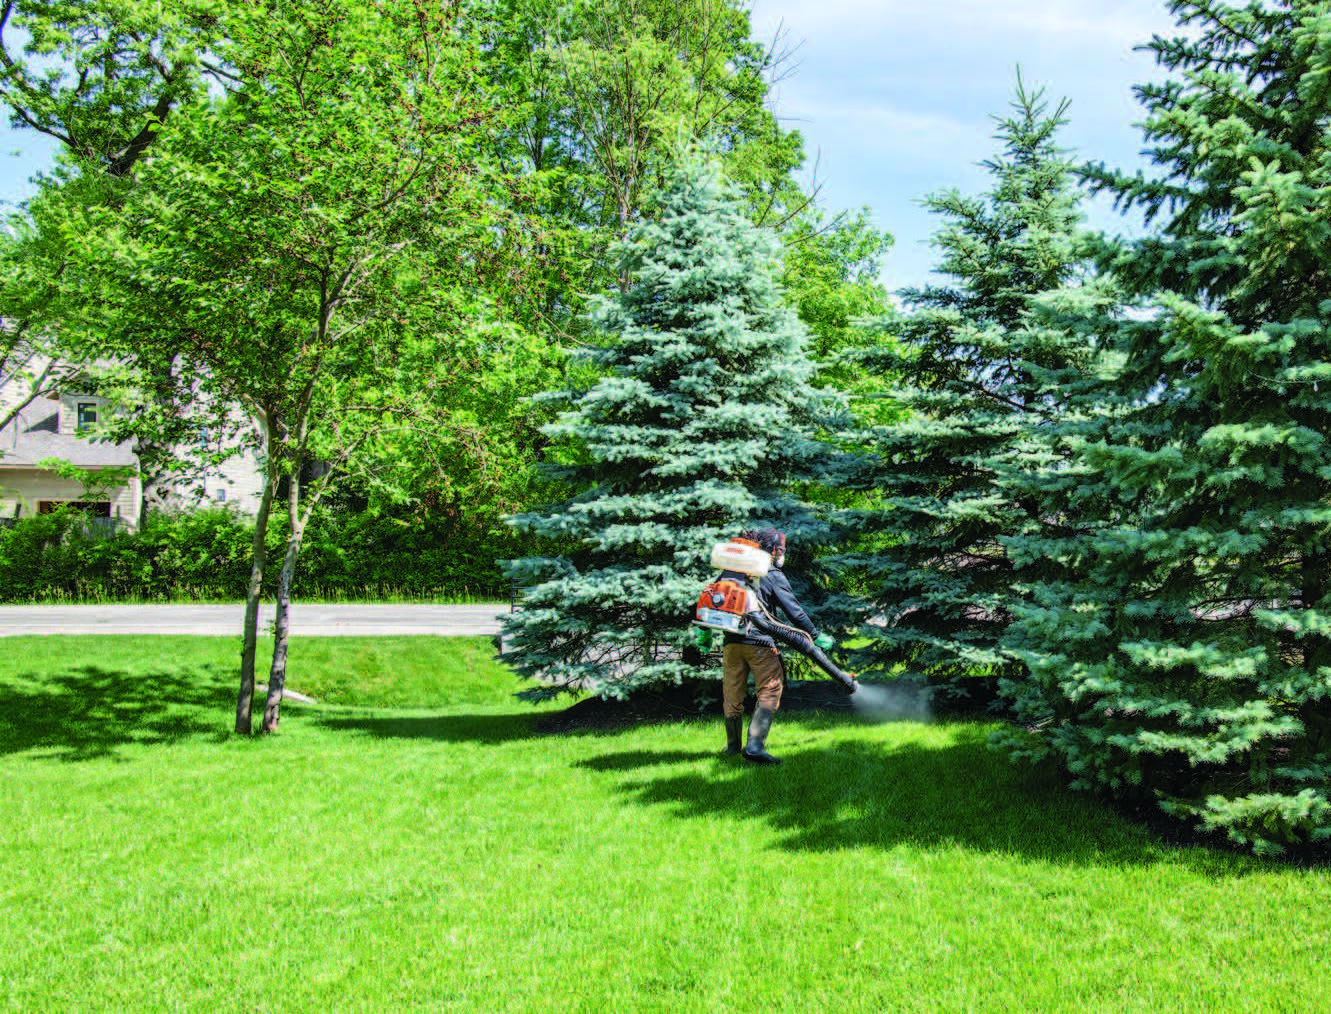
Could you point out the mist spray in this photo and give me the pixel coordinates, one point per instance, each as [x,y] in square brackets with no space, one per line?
[903,702]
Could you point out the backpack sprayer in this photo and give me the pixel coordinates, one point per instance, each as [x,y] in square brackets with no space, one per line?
[726,603]
[731,604]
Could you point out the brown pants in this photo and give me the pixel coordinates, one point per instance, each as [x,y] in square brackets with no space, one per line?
[738,660]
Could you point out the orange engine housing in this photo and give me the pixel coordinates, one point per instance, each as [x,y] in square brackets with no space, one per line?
[722,606]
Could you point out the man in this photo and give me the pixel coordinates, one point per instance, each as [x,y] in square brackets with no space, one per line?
[756,653]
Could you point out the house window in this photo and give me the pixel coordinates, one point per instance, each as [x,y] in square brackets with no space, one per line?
[87,413]
[219,495]
[92,508]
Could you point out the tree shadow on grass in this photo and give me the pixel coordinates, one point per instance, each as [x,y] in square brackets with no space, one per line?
[632,759]
[90,712]
[862,794]
[489,730]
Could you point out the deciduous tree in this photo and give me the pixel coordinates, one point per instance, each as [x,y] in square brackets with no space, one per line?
[100,76]
[308,243]
[598,96]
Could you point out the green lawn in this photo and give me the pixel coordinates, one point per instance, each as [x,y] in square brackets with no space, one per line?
[416,846]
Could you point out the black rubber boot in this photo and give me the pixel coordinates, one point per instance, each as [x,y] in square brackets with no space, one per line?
[756,750]
[734,730]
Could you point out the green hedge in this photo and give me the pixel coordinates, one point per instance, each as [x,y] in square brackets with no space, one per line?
[205,555]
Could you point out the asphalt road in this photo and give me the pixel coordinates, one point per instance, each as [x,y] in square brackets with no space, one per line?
[308,619]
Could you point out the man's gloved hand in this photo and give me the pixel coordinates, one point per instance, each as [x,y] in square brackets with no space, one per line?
[704,638]
[824,642]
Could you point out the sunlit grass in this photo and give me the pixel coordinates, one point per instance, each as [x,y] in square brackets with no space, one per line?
[428,850]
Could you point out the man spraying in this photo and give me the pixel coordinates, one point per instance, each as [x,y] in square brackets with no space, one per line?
[746,613]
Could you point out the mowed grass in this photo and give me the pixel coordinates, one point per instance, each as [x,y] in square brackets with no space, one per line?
[419,847]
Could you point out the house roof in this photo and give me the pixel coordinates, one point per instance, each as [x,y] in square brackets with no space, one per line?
[34,435]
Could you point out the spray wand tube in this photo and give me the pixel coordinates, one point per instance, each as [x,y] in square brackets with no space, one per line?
[803,643]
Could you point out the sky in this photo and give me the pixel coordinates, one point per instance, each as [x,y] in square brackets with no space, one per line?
[896,98]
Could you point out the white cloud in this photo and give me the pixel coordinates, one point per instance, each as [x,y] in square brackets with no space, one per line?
[882,128]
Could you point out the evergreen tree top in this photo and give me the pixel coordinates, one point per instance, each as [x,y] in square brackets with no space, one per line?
[1015,240]
[703,364]
[1240,135]
[981,337]
[705,274]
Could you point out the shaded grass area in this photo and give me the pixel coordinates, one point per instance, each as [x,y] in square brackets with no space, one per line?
[80,698]
[444,856]
[100,677]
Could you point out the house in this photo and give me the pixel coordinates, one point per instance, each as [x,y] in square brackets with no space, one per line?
[63,425]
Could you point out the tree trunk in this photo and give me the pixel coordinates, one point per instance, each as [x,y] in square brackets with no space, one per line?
[277,673]
[143,501]
[148,481]
[254,593]
[1316,646]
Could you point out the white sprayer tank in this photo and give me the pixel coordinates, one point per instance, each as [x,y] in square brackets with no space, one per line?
[742,557]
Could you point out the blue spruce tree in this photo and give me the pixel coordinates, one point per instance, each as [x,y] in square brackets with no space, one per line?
[700,424]
[983,369]
[1186,660]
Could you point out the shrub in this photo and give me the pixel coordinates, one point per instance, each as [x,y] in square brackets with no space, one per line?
[205,555]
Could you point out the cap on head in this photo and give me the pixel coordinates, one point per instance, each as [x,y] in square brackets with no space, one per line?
[769,539]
